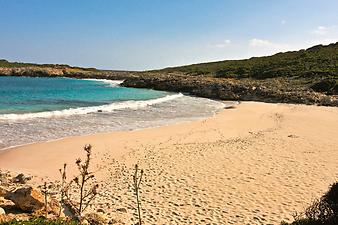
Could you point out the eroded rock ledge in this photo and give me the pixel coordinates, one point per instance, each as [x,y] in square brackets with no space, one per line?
[230,89]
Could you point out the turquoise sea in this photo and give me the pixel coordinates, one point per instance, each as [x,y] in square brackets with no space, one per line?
[43,109]
[26,95]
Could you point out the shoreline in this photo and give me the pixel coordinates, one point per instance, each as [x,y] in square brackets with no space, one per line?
[229,105]
[116,132]
[192,119]
[172,103]
[256,163]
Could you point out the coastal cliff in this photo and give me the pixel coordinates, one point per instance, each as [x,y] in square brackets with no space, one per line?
[35,71]
[276,91]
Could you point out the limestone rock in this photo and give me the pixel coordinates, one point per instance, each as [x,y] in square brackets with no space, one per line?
[123,210]
[3,192]
[2,211]
[27,199]
[229,89]
[53,208]
[21,179]
[120,218]
[100,210]
[4,178]
[4,218]
[96,219]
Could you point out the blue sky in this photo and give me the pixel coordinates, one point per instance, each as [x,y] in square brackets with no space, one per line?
[150,34]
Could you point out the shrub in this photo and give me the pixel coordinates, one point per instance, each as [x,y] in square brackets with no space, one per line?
[329,86]
[82,182]
[321,212]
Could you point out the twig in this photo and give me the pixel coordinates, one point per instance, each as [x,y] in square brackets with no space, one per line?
[45,192]
[63,182]
[137,182]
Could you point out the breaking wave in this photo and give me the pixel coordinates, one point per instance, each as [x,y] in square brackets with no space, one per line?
[131,104]
[112,83]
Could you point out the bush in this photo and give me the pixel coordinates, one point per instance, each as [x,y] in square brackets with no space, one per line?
[316,63]
[329,86]
[321,212]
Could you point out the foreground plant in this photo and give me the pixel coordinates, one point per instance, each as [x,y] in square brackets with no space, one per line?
[137,181]
[81,182]
[63,183]
[45,193]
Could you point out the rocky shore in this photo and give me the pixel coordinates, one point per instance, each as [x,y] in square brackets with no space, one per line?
[276,90]
[273,90]
[21,199]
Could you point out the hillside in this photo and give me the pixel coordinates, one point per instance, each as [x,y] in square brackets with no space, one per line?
[316,67]
[53,70]
[6,64]
[317,61]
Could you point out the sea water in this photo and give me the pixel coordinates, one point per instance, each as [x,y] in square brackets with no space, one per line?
[42,109]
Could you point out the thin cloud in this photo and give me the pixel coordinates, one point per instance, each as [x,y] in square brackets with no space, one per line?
[223,44]
[325,34]
[326,31]
[262,47]
[261,43]
[283,22]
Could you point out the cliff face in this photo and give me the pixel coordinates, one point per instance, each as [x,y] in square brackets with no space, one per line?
[62,72]
[30,71]
[230,89]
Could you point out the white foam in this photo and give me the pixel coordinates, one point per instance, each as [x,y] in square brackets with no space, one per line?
[112,83]
[91,109]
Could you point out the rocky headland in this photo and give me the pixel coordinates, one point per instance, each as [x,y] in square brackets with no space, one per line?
[272,90]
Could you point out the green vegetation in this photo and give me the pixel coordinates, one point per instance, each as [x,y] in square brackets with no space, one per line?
[39,221]
[321,212]
[316,61]
[315,68]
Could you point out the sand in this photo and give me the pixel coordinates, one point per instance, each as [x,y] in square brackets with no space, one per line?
[255,164]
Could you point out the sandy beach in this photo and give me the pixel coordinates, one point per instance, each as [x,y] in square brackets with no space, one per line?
[257,163]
